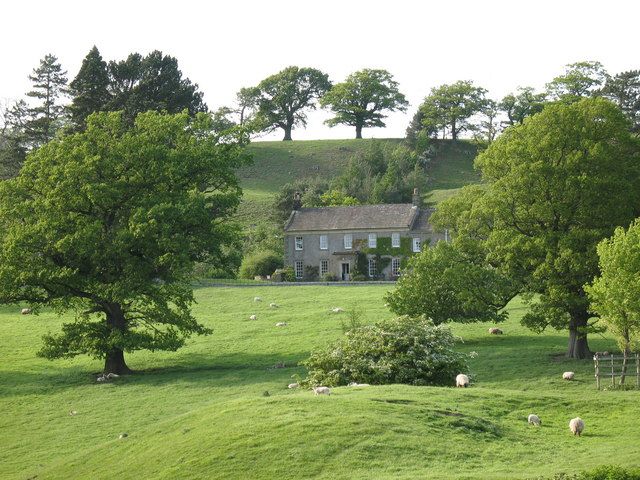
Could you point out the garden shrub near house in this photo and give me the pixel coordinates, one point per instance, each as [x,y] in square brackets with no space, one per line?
[260,264]
[405,350]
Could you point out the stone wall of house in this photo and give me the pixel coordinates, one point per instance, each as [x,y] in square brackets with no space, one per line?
[336,255]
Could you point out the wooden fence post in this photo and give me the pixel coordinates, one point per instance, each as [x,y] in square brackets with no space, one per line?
[613,373]
[597,359]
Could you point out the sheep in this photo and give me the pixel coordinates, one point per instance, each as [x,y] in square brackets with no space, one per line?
[72,413]
[322,390]
[273,305]
[534,419]
[356,384]
[25,311]
[462,380]
[337,310]
[253,317]
[495,331]
[257,299]
[101,378]
[281,324]
[568,375]
[576,425]
[293,385]
[112,375]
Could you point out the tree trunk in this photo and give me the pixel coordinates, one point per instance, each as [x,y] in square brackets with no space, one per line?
[626,353]
[358,131]
[454,134]
[287,133]
[114,361]
[578,344]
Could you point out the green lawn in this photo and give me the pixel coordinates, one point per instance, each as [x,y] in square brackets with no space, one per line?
[201,412]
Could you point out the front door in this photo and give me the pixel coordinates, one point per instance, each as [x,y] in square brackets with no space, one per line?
[345,271]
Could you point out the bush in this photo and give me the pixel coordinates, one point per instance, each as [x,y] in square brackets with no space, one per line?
[260,263]
[606,472]
[329,277]
[406,350]
[310,273]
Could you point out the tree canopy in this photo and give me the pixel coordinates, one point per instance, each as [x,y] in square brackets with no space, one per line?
[580,80]
[450,107]
[90,89]
[615,293]
[362,98]
[624,89]
[107,224]
[555,187]
[282,99]
[522,104]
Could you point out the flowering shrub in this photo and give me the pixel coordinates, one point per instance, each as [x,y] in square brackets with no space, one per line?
[406,350]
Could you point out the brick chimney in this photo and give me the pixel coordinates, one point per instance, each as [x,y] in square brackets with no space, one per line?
[297,201]
[416,199]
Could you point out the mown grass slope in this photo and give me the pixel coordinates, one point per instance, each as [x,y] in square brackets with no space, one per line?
[201,412]
[276,163]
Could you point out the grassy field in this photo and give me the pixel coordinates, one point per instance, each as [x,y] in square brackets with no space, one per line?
[276,163]
[202,413]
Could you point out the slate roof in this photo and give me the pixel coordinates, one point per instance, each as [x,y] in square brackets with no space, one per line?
[401,216]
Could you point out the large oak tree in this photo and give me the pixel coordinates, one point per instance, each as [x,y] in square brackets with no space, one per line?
[362,99]
[554,187]
[108,223]
[282,99]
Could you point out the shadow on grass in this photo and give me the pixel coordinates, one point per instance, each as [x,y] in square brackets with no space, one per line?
[229,370]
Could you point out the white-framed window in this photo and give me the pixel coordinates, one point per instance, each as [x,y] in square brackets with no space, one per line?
[373,267]
[348,241]
[395,267]
[324,242]
[416,244]
[298,243]
[395,240]
[373,240]
[299,267]
[324,267]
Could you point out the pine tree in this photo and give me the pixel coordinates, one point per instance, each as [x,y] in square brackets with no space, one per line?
[49,87]
[89,89]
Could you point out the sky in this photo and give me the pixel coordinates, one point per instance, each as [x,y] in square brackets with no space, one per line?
[223,46]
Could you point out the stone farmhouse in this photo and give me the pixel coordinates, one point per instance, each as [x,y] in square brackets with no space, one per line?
[356,242]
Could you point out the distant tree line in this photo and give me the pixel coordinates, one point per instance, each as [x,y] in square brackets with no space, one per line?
[462,107]
[134,85]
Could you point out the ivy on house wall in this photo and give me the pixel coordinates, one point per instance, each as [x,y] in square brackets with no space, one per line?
[382,254]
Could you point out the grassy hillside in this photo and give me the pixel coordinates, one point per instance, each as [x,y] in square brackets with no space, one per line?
[201,412]
[276,163]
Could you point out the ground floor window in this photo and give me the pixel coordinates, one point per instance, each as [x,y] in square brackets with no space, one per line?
[324,267]
[299,269]
[416,244]
[395,267]
[373,267]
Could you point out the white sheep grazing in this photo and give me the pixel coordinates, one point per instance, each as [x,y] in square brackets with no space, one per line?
[462,380]
[102,378]
[534,419]
[568,375]
[293,385]
[322,390]
[281,324]
[495,331]
[356,384]
[253,317]
[273,305]
[25,311]
[257,299]
[337,310]
[112,375]
[576,425]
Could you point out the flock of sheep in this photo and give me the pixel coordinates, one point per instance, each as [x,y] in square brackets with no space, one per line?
[576,425]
